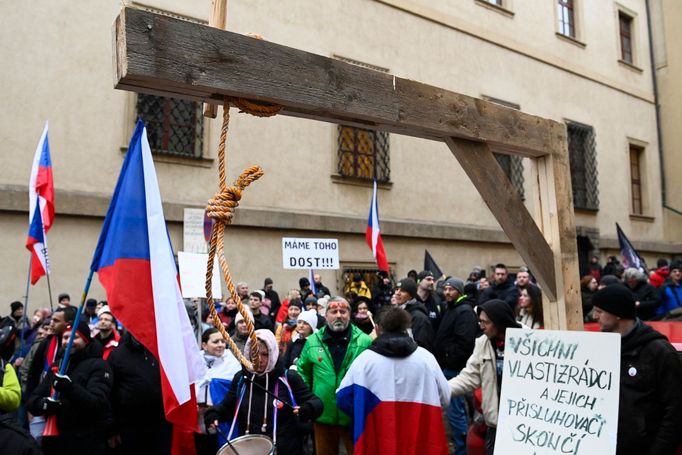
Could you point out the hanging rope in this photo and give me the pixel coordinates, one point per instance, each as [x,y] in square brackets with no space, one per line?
[221,209]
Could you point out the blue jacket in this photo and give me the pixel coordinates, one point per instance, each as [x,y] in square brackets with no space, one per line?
[671,298]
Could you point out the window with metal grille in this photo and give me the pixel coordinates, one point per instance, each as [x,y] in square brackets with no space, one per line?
[636,179]
[174,127]
[625,26]
[513,169]
[363,154]
[582,154]
[369,276]
[566,16]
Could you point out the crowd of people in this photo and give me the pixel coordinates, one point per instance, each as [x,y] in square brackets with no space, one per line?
[320,360]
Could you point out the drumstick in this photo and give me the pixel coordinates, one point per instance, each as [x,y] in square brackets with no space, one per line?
[269,393]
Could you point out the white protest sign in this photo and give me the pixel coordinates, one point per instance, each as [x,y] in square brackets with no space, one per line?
[298,253]
[559,393]
[193,275]
[193,231]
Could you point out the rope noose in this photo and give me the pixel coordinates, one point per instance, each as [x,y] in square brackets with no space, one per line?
[221,209]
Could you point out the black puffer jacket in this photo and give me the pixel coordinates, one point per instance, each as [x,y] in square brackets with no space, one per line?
[15,440]
[136,394]
[650,405]
[506,291]
[289,440]
[84,409]
[422,330]
[456,334]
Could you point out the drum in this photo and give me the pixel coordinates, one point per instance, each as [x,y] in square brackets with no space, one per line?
[250,444]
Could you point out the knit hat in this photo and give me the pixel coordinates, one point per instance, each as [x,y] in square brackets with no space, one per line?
[303,282]
[609,280]
[423,274]
[455,283]
[408,285]
[14,306]
[617,300]
[309,317]
[239,317]
[500,313]
[310,299]
[675,265]
[91,302]
[83,330]
[296,302]
[104,309]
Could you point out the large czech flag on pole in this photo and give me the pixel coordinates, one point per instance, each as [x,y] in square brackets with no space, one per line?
[135,264]
[395,404]
[40,208]
[373,233]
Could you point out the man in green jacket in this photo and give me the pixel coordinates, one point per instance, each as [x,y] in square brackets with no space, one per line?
[323,363]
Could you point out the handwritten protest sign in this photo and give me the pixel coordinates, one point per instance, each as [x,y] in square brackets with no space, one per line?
[193,231]
[193,275]
[559,393]
[298,253]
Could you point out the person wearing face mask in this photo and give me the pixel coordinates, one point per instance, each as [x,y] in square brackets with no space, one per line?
[221,366]
[305,326]
[256,411]
[285,332]
[323,363]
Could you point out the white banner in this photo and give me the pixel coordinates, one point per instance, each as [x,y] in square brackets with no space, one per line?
[193,231]
[193,275]
[559,393]
[298,253]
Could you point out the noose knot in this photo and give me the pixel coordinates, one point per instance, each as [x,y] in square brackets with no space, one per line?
[221,207]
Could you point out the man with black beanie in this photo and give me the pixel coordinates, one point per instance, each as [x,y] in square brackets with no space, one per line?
[650,404]
[405,297]
[484,367]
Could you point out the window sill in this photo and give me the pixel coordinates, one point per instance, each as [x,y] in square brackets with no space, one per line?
[497,8]
[645,218]
[198,162]
[571,40]
[355,181]
[585,211]
[630,66]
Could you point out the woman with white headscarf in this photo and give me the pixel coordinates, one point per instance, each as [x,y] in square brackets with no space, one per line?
[257,412]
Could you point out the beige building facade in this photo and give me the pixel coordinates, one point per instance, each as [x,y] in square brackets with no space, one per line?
[539,56]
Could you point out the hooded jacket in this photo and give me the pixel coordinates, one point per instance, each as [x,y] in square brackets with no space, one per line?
[422,330]
[481,370]
[454,341]
[395,391]
[256,411]
[650,404]
[648,299]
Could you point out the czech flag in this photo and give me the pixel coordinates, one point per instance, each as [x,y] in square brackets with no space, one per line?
[135,263]
[395,404]
[373,233]
[41,208]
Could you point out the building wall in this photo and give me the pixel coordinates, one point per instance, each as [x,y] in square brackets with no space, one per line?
[63,73]
[666,17]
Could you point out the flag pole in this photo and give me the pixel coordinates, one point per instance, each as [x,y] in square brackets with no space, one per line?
[47,266]
[50,422]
